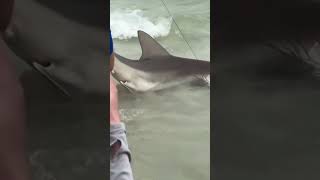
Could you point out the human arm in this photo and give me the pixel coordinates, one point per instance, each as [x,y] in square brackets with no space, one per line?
[120,167]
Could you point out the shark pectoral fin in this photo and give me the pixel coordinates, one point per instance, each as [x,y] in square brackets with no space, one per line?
[150,47]
[43,71]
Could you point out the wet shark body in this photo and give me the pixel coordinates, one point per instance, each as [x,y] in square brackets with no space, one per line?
[157,69]
[65,48]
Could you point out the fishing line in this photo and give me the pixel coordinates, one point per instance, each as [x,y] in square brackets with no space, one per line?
[183,37]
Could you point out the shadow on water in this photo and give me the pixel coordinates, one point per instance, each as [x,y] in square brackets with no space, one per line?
[266,107]
[265,122]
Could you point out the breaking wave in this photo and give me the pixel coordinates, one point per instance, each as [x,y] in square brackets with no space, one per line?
[125,24]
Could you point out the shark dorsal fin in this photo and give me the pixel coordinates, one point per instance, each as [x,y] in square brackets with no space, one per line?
[150,47]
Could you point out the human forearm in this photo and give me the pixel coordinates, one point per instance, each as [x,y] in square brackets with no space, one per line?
[120,167]
[114,111]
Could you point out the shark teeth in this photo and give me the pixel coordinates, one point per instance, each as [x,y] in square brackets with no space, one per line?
[124,82]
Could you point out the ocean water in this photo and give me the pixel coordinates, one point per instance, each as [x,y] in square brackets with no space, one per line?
[168,132]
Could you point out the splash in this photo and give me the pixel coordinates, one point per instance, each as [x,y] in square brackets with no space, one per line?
[125,24]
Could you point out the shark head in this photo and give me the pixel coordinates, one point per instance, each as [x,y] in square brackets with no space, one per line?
[127,71]
[59,48]
[129,76]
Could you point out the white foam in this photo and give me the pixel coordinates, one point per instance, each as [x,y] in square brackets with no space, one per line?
[125,24]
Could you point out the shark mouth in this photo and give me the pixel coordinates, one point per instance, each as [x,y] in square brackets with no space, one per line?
[123,83]
[114,74]
[40,68]
[205,78]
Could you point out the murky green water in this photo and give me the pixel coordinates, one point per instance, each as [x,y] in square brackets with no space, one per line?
[169,132]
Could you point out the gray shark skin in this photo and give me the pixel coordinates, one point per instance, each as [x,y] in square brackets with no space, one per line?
[69,53]
[157,69]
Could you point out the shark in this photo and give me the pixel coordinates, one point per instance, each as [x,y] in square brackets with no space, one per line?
[157,69]
[61,44]
[70,52]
